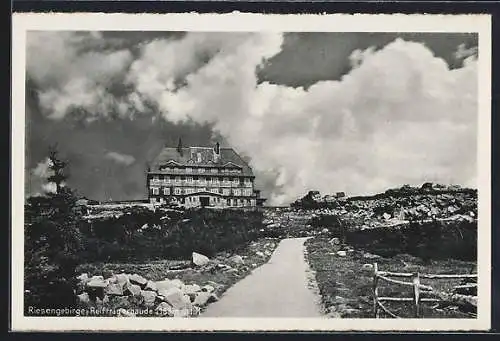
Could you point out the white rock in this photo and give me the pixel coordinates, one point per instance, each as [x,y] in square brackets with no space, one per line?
[341,253]
[191,288]
[367,267]
[114,289]
[164,309]
[83,277]
[236,259]
[149,297]
[176,298]
[199,259]
[138,279]
[203,298]
[165,284]
[208,288]
[150,285]
[84,298]
[97,283]
[132,289]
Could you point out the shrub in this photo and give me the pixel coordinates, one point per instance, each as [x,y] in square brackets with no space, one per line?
[52,244]
[427,240]
[202,230]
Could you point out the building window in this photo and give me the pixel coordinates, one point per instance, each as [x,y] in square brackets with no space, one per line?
[201,170]
[237,192]
[225,180]
[189,190]
[235,181]
[166,191]
[156,178]
[225,191]
[156,190]
[177,179]
[189,179]
[189,170]
[213,170]
[178,191]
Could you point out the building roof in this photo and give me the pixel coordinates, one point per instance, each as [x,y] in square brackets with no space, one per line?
[200,157]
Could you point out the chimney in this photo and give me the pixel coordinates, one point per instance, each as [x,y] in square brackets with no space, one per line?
[217,152]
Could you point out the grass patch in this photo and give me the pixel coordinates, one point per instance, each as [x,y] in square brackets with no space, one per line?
[346,289]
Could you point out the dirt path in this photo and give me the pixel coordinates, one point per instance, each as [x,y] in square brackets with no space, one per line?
[279,288]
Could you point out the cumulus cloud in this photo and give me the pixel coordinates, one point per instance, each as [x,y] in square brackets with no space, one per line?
[400,115]
[39,176]
[124,159]
[462,52]
[72,73]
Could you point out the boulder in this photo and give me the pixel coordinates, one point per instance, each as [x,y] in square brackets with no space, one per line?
[83,298]
[341,253]
[368,255]
[164,309]
[260,254]
[150,285]
[199,259]
[132,289]
[367,267]
[325,230]
[176,298]
[97,282]
[149,297]
[164,285]
[114,289]
[83,278]
[177,283]
[386,216]
[121,279]
[120,301]
[191,288]
[237,259]
[207,288]
[203,298]
[138,279]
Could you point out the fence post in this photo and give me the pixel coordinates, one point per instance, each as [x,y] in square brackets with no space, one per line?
[416,294]
[375,290]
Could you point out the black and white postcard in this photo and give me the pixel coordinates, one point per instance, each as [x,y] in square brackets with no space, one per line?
[250,172]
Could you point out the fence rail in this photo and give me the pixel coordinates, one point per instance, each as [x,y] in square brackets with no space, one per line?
[418,289]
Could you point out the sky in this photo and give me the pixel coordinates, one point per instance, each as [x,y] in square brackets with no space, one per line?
[352,112]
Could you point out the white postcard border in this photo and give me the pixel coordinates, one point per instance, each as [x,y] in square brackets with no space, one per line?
[23,22]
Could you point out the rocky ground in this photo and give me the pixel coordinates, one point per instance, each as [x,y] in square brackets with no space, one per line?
[393,207]
[168,288]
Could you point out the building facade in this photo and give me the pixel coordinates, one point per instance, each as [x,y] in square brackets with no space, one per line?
[202,176]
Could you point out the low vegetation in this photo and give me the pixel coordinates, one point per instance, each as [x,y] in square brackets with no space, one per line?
[345,282]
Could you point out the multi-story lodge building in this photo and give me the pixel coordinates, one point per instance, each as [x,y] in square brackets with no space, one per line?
[202,176]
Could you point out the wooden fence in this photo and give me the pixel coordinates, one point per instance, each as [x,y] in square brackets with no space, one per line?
[418,289]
